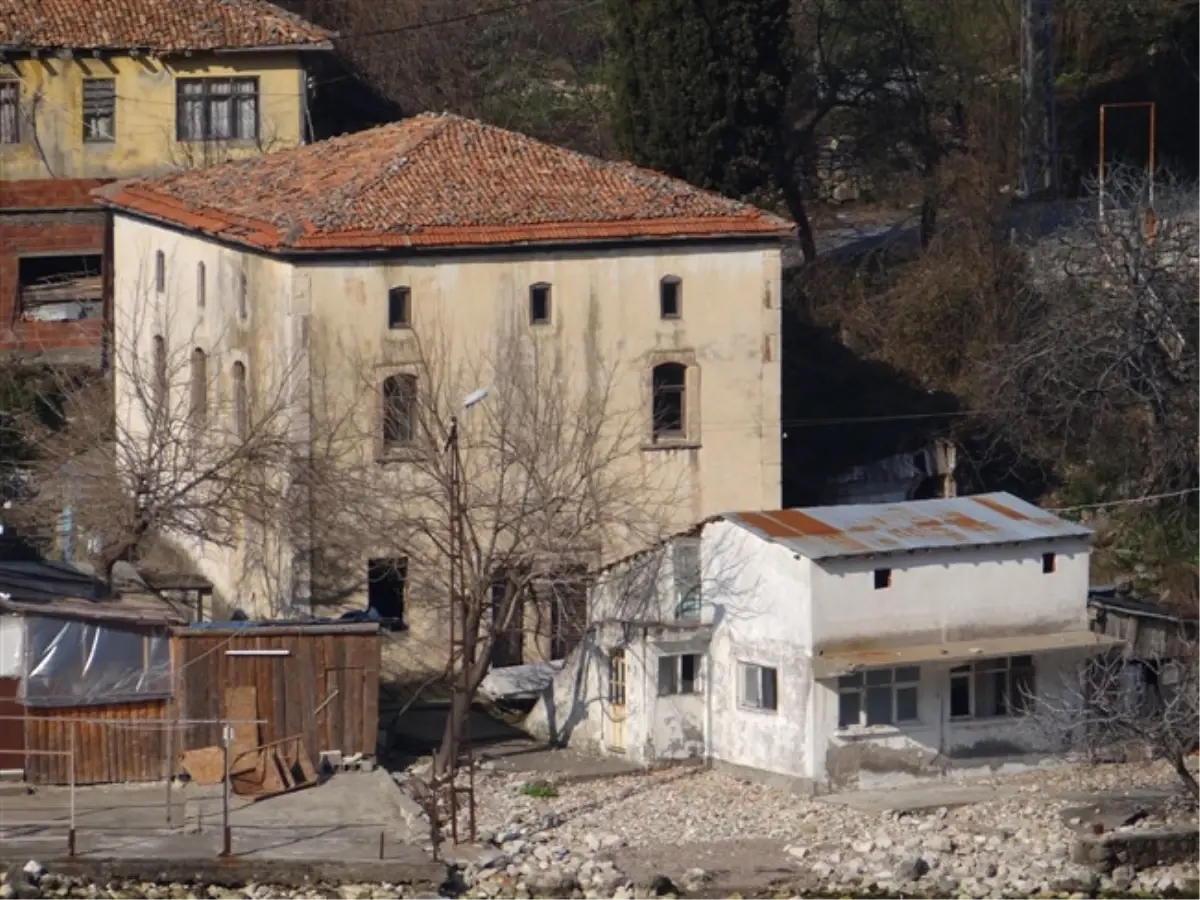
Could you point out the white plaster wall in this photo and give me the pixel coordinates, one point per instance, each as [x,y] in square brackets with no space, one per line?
[12,646]
[920,750]
[951,594]
[761,615]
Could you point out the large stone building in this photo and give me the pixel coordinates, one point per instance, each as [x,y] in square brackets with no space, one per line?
[425,259]
[92,92]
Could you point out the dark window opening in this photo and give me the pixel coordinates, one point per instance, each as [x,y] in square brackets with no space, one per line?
[160,271]
[10,112]
[883,579]
[216,109]
[201,286]
[508,619]
[99,110]
[960,691]
[568,610]
[669,383]
[399,411]
[198,409]
[386,582]
[1049,562]
[539,304]
[160,374]
[669,291]
[398,307]
[60,288]
[241,401]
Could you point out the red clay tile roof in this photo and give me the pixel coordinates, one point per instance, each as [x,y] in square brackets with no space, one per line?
[156,25]
[434,180]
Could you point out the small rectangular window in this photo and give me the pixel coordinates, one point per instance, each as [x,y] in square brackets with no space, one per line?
[398,312]
[160,271]
[883,579]
[668,298]
[678,674]
[386,582]
[759,687]
[99,110]
[539,304]
[1048,563]
[10,112]
[216,109]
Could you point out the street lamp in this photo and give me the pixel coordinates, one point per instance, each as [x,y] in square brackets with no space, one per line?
[458,610]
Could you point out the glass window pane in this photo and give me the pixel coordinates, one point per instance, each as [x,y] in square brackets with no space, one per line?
[1022,693]
[879,676]
[906,704]
[849,705]
[989,693]
[908,674]
[960,696]
[667,670]
[750,684]
[879,706]
[855,679]
[769,687]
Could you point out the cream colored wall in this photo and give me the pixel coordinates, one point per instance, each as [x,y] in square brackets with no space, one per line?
[605,320]
[260,341]
[52,144]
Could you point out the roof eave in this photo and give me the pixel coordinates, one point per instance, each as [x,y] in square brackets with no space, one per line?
[325,46]
[974,545]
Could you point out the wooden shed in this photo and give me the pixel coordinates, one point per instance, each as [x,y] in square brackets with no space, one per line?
[317,680]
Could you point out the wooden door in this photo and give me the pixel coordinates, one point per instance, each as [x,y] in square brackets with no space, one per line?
[616,701]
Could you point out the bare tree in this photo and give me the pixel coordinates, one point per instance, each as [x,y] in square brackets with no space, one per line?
[1116,704]
[500,511]
[172,444]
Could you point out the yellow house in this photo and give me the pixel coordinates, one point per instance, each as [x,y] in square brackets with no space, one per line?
[604,338]
[91,92]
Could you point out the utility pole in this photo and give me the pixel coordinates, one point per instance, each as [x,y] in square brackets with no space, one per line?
[1039,139]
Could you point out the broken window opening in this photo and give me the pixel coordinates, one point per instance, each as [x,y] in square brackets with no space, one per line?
[398,311]
[1049,563]
[568,588]
[99,110]
[508,618]
[879,697]
[10,112]
[387,580]
[678,674]
[60,288]
[539,304]
[670,297]
[399,411]
[992,688]
[669,385]
[883,579]
[759,687]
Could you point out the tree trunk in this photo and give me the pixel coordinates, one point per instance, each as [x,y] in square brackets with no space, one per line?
[1179,764]
[793,196]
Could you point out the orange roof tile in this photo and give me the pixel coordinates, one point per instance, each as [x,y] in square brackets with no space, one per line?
[434,180]
[156,25]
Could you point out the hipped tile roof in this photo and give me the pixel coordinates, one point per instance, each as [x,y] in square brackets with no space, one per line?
[155,25]
[434,180]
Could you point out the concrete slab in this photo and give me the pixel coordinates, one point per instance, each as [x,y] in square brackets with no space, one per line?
[560,764]
[348,818]
[917,799]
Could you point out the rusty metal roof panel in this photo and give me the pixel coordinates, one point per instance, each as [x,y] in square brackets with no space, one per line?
[866,529]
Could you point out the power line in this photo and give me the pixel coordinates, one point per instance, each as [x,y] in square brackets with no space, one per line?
[448,20]
[1126,501]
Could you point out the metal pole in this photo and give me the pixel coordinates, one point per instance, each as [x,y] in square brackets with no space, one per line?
[1151,166]
[452,754]
[71,767]
[170,768]
[226,836]
[1100,171]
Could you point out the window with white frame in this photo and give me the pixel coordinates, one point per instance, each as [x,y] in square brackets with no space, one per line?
[758,687]
[991,687]
[679,674]
[878,697]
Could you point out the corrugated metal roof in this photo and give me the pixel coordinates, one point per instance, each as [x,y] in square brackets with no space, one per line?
[866,529]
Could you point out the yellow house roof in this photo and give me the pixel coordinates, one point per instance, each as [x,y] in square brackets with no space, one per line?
[154,25]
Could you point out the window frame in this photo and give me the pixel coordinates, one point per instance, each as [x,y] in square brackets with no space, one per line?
[403,294]
[160,272]
[758,704]
[676,284]
[672,665]
[679,391]
[857,684]
[89,135]
[971,672]
[545,288]
[207,98]
[689,598]
[391,446]
[12,85]
[240,375]
[198,388]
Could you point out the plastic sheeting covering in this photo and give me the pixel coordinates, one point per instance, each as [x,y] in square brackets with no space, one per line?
[74,663]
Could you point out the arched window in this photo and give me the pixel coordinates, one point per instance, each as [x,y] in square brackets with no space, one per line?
[201,286]
[160,371]
[670,297]
[668,404]
[198,408]
[241,401]
[160,271]
[399,411]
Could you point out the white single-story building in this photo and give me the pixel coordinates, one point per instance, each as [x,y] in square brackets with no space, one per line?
[834,647]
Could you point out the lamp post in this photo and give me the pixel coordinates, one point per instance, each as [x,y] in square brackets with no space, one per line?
[459,616]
